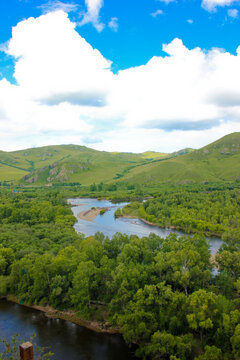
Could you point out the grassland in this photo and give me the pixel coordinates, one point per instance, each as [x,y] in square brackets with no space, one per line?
[219,161]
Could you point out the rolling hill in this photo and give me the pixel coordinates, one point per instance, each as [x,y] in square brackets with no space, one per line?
[218,161]
[68,163]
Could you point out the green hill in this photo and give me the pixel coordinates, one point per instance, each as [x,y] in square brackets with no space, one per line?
[219,161]
[65,163]
[70,164]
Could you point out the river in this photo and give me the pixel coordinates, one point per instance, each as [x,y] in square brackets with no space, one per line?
[108,225]
[67,341]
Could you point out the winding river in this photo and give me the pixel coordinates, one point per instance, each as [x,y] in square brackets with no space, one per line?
[108,225]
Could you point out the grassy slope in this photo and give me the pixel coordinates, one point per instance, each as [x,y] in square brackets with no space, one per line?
[217,161]
[152,155]
[8,173]
[86,166]
[72,163]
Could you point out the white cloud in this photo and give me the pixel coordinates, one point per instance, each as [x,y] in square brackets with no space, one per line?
[55,64]
[113,24]
[180,92]
[54,5]
[140,140]
[92,14]
[211,5]
[233,13]
[167,1]
[156,13]
[66,93]
[190,21]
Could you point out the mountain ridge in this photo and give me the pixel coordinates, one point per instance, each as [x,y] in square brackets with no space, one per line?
[218,161]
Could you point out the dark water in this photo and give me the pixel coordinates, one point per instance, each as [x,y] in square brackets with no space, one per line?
[68,341]
[108,225]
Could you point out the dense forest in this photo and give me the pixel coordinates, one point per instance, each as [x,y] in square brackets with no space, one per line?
[210,212]
[164,295]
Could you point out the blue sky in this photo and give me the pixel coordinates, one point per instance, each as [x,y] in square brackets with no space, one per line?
[128,91]
[139,36]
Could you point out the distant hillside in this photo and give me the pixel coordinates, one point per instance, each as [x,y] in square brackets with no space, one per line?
[218,161]
[70,164]
[64,163]
[152,155]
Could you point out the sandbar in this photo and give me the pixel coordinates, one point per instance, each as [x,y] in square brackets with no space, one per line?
[91,214]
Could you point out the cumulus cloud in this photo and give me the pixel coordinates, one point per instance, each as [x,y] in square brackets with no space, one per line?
[67,93]
[167,1]
[53,5]
[172,89]
[85,98]
[113,24]
[91,140]
[156,13]
[190,21]
[226,98]
[211,5]
[181,124]
[233,13]
[55,64]
[92,14]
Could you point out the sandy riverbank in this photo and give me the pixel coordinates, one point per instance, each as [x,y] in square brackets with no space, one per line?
[90,215]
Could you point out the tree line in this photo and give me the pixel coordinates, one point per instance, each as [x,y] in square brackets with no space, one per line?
[212,213]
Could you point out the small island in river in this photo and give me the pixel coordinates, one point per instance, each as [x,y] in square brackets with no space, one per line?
[91,214]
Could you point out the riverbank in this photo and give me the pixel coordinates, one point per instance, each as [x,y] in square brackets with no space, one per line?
[137,217]
[90,215]
[170,227]
[68,315]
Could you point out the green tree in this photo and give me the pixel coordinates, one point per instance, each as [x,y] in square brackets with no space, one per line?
[235,340]
[202,309]
[210,353]
[164,346]
[81,291]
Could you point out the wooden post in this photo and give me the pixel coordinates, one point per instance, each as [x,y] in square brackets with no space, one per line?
[26,351]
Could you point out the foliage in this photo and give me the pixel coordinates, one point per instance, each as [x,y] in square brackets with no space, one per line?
[212,213]
[118,213]
[11,349]
[210,353]
[161,293]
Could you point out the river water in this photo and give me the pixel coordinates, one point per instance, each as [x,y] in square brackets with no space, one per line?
[67,341]
[108,225]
